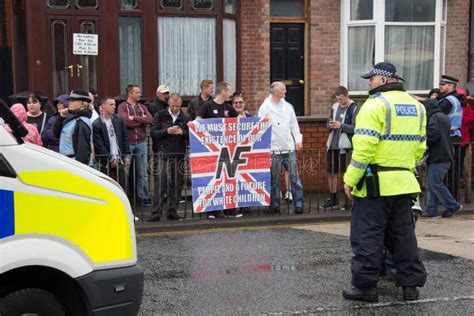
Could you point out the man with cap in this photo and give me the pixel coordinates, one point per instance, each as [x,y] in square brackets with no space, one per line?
[49,140]
[451,104]
[161,101]
[389,138]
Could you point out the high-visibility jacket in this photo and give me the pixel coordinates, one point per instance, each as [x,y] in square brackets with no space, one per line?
[390,132]
[455,115]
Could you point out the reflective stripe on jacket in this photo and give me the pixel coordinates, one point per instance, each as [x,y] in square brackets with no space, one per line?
[66,145]
[390,131]
[455,115]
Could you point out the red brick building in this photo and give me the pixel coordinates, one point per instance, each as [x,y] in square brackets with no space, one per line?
[311,45]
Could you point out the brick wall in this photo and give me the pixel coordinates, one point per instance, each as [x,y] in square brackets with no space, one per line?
[312,160]
[323,44]
[255,51]
[457,40]
[323,54]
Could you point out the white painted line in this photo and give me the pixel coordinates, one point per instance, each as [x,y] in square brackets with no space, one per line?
[367,306]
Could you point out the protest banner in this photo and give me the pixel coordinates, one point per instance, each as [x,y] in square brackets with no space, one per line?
[230,163]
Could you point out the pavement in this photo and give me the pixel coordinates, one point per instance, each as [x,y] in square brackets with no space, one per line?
[256,218]
[453,236]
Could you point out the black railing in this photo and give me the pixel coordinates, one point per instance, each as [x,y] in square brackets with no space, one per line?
[314,170]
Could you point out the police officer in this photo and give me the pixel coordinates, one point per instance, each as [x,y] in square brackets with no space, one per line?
[389,138]
[451,104]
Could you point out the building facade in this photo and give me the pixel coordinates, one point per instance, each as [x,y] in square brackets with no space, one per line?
[311,45]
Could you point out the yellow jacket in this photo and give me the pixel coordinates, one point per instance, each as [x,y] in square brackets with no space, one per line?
[390,131]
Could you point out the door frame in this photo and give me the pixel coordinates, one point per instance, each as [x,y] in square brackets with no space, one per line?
[73,25]
[304,20]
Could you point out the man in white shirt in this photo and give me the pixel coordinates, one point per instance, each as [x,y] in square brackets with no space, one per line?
[286,137]
[112,149]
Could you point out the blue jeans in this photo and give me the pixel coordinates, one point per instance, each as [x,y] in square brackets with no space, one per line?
[437,190]
[139,156]
[288,159]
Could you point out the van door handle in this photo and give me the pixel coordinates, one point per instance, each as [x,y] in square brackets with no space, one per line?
[6,170]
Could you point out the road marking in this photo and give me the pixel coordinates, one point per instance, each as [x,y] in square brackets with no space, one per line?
[368,306]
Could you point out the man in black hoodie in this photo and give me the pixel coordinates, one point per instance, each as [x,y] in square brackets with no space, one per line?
[439,161]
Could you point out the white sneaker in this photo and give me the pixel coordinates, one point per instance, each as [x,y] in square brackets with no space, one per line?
[288,196]
[136,219]
[211,216]
[238,215]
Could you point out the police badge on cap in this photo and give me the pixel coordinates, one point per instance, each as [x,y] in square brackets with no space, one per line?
[383,69]
[449,79]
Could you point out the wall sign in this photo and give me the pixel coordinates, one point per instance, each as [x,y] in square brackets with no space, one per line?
[85,44]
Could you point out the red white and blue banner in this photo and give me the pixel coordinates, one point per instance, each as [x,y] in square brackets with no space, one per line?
[230,163]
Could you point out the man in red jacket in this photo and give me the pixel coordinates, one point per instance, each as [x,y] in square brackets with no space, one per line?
[137,119]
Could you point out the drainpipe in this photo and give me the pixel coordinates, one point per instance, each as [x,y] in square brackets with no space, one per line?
[470,55]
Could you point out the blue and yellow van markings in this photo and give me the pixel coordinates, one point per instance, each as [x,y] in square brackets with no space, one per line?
[7,214]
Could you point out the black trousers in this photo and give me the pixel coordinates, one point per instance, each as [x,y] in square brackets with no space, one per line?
[384,221]
[118,174]
[167,169]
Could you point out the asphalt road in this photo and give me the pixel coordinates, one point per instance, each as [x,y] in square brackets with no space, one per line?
[283,271]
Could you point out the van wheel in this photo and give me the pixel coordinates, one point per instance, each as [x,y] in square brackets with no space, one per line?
[31,302]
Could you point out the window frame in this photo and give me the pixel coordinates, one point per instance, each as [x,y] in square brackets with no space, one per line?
[219,15]
[378,21]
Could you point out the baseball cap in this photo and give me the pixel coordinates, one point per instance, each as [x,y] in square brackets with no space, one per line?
[163,89]
[63,98]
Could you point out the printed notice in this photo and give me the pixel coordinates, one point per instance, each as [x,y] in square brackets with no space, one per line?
[85,44]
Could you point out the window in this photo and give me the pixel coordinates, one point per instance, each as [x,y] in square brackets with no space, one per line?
[172,4]
[87,4]
[183,60]
[57,4]
[230,52]
[197,39]
[287,8]
[403,32]
[230,6]
[202,5]
[88,65]
[130,51]
[60,61]
[129,4]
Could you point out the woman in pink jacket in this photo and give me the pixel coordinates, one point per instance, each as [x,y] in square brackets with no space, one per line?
[33,135]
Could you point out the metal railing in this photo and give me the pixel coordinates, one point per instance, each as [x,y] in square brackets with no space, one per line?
[312,169]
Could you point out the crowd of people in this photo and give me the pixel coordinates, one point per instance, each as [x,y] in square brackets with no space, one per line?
[114,139]
[377,147]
